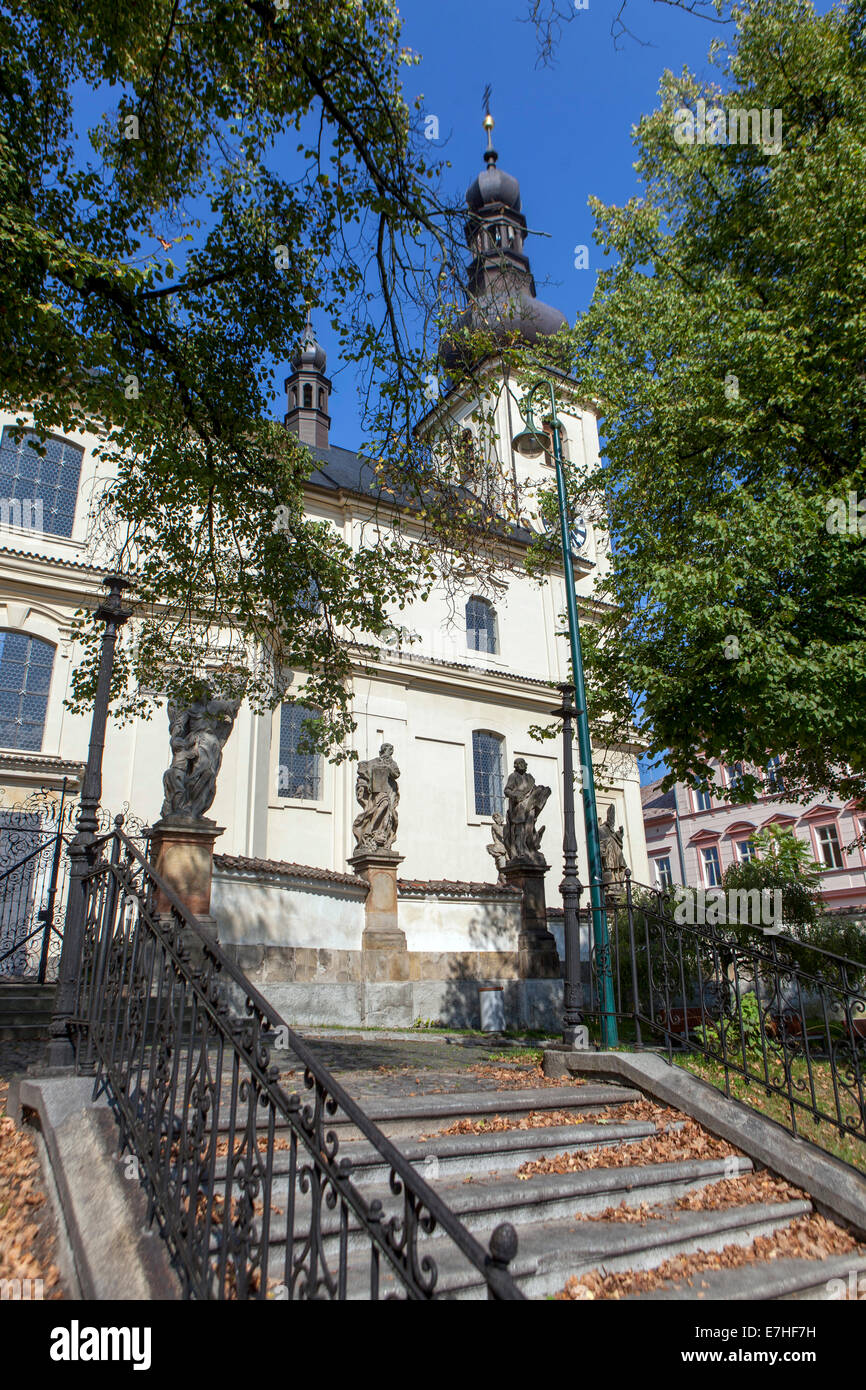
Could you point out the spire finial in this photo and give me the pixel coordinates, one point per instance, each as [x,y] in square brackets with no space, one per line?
[490,155]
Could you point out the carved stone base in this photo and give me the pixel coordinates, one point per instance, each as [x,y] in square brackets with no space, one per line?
[383,944]
[538,956]
[183,856]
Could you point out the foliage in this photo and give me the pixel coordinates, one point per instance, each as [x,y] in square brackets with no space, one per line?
[253,159]
[739,1036]
[726,346]
[782,862]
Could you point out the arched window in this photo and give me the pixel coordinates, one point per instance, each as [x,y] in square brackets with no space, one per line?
[480,626]
[294,396]
[308,397]
[25,677]
[487,760]
[39,490]
[299,775]
[321,399]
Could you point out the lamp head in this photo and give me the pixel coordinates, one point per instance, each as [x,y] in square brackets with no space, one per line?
[531,441]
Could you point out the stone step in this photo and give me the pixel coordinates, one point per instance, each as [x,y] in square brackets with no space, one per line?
[411,1116]
[773,1279]
[550,1252]
[481,1204]
[24,1029]
[463,1155]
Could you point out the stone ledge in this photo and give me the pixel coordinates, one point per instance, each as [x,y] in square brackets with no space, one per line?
[838,1190]
[115,1255]
[278,868]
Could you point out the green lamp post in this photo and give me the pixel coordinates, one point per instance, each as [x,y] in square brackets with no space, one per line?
[530,443]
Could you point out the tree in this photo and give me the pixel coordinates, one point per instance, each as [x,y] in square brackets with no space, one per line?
[254,159]
[726,347]
[782,862]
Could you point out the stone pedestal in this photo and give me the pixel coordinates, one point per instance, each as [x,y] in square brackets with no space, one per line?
[386,957]
[538,956]
[182,854]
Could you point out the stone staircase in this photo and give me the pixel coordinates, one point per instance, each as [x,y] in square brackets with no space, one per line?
[478,1174]
[25,1010]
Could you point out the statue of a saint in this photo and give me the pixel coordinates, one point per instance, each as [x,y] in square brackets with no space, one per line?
[497,847]
[525,801]
[375,826]
[613,863]
[198,734]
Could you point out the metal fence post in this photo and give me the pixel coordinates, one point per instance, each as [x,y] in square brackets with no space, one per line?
[61,1048]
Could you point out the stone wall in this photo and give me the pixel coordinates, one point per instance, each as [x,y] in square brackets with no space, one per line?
[296,932]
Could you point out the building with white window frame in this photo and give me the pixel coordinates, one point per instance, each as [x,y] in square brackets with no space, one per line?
[693,835]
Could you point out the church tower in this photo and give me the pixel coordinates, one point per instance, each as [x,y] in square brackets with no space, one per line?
[308,390]
[500,283]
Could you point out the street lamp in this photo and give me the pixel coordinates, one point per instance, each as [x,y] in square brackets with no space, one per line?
[530,443]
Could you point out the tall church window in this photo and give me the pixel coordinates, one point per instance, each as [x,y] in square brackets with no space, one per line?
[25,677]
[299,775]
[487,760]
[39,490]
[480,626]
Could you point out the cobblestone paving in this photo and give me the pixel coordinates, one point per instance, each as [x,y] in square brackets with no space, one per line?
[382,1069]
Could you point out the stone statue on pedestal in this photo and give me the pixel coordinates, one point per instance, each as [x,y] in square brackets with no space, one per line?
[198,733]
[613,863]
[377,793]
[525,801]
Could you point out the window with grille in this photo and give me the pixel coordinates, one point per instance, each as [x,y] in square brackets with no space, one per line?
[480,626]
[299,776]
[487,764]
[25,677]
[712,866]
[49,483]
[664,876]
[828,844]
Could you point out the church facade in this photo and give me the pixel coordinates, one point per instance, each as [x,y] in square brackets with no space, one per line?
[456,702]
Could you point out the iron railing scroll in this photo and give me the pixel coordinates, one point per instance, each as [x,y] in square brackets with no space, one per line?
[783,1016]
[245,1175]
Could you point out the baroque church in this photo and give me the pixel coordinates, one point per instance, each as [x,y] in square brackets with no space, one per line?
[456,703]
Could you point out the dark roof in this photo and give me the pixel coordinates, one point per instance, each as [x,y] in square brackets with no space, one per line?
[654,799]
[343,470]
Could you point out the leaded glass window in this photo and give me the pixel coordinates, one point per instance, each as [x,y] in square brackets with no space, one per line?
[25,677]
[299,775]
[34,484]
[487,765]
[480,625]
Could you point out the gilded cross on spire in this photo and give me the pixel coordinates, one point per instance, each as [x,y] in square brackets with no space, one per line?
[490,155]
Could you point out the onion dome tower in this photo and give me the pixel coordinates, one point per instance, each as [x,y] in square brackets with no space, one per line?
[308,390]
[502,298]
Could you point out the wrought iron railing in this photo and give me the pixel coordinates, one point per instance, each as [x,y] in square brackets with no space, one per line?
[246,1179]
[779,1014]
[34,881]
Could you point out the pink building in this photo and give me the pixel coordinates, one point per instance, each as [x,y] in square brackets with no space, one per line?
[692,836]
